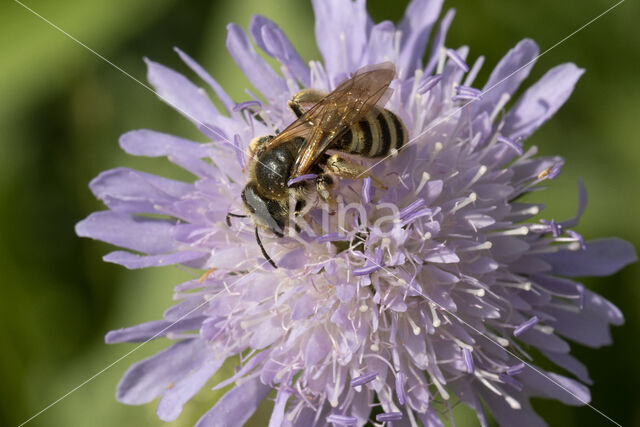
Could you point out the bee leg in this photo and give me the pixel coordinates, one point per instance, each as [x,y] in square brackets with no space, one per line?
[345,169]
[303,100]
[324,186]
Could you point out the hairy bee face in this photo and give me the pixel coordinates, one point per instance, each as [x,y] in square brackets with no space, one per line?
[266,212]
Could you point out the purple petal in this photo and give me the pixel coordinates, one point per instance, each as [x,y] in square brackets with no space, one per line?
[134,261]
[259,72]
[541,101]
[147,379]
[415,26]
[380,46]
[512,69]
[317,346]
[204,75]
[175,397]
[571,364]
[270,38]
[602,257]
[152,330]
[177,91]
[438,41]
[508,416]
[140,234]
[277,415]
[236,406]
[182,152]
[582,204]
[341,33]
[150,143]
[590,326]
[127,190]
[554,386]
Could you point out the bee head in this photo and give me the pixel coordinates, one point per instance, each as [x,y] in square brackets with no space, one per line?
[265,212]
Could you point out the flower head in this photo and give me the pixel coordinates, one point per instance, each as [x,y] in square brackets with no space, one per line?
[426,293]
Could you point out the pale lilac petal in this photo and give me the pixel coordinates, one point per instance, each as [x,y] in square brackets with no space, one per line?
[140,234]
[415,26]
[204,75]
[177,91]
[270,38]
[134,261]
[341,33]
[553,386]
[508,416]
[147,379]
[438,41]
[236,406]
[130,191]
[259,72]
[152,330]
[571,364]
[172,401]
[380,46]
[602,257]
[541,101]
[277,416]
[317,347]
[512,69]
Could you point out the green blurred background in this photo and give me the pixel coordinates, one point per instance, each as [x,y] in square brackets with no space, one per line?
[62,110]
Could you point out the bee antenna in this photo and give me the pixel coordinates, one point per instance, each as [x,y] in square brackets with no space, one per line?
[264,253]
[229,215]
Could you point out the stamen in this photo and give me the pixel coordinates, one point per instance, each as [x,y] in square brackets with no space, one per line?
[511,381]
[423,181]
[343,420]
[366,190]
[415,328]
[363,271]
[512,402]
[545,329]
[482,246]
[332,237]
[400,378]
[389,416]
[520,231]
[525,326]
[411,208]
[461,204]
[364,379]
[457,59]
[515,369]
[514,145]
[441,390]
[305,177]
[468,91]
[434,315]
[427,83]
[246,105]
[468,359]
[578,238]
[474,71]
[499,106]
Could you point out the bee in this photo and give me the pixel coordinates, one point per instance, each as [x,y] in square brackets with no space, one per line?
[286,168]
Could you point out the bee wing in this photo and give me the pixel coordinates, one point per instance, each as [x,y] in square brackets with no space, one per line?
[346,105]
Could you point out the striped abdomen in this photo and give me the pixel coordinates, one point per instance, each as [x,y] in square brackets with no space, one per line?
[375,135]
